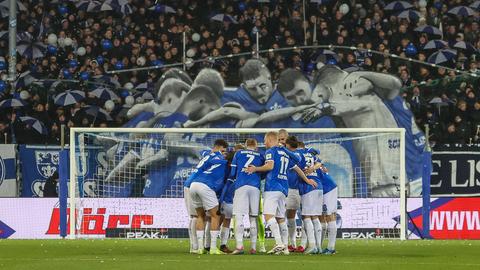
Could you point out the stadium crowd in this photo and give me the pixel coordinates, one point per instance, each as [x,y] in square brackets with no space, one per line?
[78,43]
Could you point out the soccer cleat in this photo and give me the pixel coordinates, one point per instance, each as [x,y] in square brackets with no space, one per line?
[311,251]
[291,248]
[225,249]
[328,252]
[193,251]
[216,251]
[237,252]
[285,251]
[278,249]
[300,249]
[253,251]
[201,251]
[262,249]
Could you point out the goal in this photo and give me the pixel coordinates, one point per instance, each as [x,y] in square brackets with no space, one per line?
[128,182]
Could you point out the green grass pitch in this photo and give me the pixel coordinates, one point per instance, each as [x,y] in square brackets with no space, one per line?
[171,254]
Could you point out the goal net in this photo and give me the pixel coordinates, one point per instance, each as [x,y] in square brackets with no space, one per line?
[136,187]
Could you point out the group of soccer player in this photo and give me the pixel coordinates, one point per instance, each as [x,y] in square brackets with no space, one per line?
[227,185]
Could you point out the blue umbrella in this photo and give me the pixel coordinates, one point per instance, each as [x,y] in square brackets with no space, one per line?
[35,124]
[398,5]
[5,6]
[429,30]
[29,48]
[409,14]
[69,97]
[120,6]
[144,87]
[442,56]
[464,46]
[163,9]
[12,103]
[104,93]
[475,5]
[462,11]
[97,112]
[435,44]
[24,80]
[144,95]
[223,18]
[107,80]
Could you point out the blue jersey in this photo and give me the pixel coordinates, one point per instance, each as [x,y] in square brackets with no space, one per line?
[195,171]
[241,96]
[277,178]
[308,160]
[212,170]
[328,183]
[241,160]
[293,177]
[228,192]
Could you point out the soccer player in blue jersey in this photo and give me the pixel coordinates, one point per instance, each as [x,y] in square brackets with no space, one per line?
[247,193]
[204,190]
[192,231]
[226,202]
[277,164]
[330,197]
[311,198]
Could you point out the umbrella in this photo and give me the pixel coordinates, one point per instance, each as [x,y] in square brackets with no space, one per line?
[435,44]
[475,5]
[409,14]
[93,6]
[398,5]
[120,6]
[104,93]
[107,80]
[319,2]
[441,56]
[323,55]
[12,103]
[5,6]
[69,97]
[30,48]
[163,9]
[24,80]
[462,11]
[464,45]
[3,34]
[144,87]
[223,18]
[97,112]
[429,30]
[144,95]
[35,124]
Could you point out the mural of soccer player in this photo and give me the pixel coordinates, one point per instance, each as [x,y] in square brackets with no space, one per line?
[171,89]
[370,100]
[256,93]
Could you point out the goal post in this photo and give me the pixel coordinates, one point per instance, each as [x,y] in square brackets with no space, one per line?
[368,165]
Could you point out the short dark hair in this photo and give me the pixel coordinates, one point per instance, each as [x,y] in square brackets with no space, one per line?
[301,144]
[221,142]
[287,79]
[292,141]
[252,69]
[229,156]
[327,74]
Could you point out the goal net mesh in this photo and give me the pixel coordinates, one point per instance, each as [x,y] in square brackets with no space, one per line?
[137,190]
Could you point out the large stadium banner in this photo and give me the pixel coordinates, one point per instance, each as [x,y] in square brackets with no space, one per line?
[451,218]
[332,98]
[8,171]
[456,173]
[38,163]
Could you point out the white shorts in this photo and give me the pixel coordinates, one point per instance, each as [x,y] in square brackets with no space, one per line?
[312,203]
[188,202]
[293,199]
[202,196]
[330,202]
[246,201]
[274,204]
[226,210]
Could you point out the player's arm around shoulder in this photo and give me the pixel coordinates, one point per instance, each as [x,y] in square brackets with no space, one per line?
[267,166]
